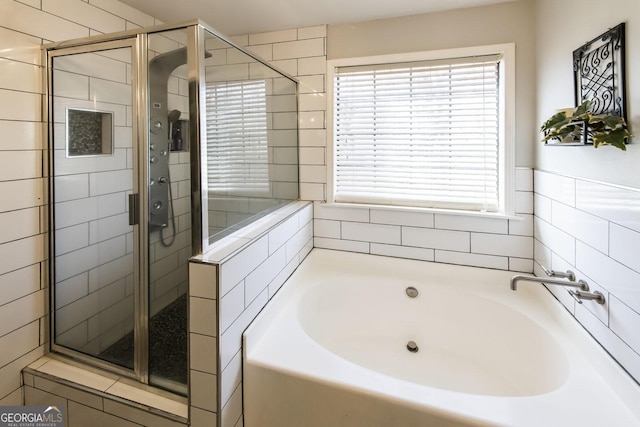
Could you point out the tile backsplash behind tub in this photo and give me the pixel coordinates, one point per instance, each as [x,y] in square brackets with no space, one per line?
[593,229]
[500,243]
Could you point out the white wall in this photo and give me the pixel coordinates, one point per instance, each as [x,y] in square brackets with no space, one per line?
[585,220]
[557,38]
[24,26]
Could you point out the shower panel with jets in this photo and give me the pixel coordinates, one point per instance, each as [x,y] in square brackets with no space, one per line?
[161,141]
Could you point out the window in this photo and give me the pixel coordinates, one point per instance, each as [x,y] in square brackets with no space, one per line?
[237,148]
[421,132]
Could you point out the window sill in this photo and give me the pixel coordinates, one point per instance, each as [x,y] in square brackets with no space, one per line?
[471,214]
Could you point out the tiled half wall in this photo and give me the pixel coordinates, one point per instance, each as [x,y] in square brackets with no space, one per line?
[228,287]
[593,229]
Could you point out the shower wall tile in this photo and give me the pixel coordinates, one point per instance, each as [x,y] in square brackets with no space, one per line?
[19,342]
[625,246]
[21,135]
[585,227]
[21,312]
[85,14]
[20,76]
[21,253]
[273,37]
[472,259]
[37,23]
[202,353]
[326,228]
[523,226]
[616,204]
[312,32]
[377,233]
[16,165]
[83,210]
[524,179]
[72,289]
[202,280]
[203,316]
[23,106]
[231,377]
[555,187]
[557,240]
[312,101]
[299,49]
[312,120]
[110,182]
[72,85]
[436,239]
[524,202]
[341,245]
[28,278]
[16,225]
[264,274]
[463,223]
[590,228]
[232,411]
[623,322]
[312,66]
[20,46]
[395,217]
[501,244]
[312,156]
[398,251]
[231,306]
[108,91]
[234,270]
[72,238]
[617,278]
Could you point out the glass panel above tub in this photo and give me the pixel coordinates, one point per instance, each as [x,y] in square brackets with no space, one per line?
[250,138]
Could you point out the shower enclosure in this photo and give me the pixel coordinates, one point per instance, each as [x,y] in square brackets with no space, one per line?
[161,141]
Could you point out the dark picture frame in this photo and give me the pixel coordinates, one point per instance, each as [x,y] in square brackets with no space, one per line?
[599,73]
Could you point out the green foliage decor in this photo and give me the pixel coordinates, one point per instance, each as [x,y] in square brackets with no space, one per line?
[602,129]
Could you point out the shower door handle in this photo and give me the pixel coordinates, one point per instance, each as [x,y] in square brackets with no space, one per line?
[134,209]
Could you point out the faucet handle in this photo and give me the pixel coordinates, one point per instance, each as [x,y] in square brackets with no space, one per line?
[552,273]
[549,273]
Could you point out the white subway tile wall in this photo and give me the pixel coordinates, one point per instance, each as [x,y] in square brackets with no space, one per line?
[239,281]
[301,53]
[24,27]
[592,229]
[505,244]
[228,206]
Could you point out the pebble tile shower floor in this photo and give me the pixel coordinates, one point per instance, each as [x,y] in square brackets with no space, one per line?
[167,344]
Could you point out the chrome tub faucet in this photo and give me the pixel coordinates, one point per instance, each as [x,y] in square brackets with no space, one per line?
[582,292]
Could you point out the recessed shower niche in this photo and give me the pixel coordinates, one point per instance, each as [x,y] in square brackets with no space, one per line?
[89,132]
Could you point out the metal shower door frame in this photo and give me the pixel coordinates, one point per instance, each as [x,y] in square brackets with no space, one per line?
[137,44]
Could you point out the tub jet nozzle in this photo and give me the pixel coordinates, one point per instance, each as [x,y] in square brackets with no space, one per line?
[412,346]
[411,292]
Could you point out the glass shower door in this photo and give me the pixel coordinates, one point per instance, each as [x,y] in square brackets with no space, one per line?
[93,170]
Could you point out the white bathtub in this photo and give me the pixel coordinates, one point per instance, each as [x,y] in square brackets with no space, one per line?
[331,350]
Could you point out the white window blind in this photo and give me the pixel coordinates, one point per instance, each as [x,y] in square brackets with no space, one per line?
[418,134]
[237,149]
